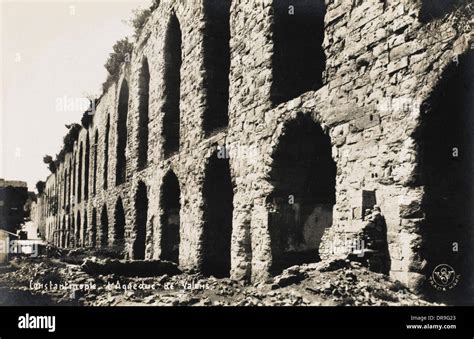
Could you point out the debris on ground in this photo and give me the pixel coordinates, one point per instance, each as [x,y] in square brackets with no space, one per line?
[95,281]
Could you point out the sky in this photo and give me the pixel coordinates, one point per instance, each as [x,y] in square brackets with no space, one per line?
[52,58]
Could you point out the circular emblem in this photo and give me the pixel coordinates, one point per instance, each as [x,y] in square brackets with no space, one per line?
[444,277]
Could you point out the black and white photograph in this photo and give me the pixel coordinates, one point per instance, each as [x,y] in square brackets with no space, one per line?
[291,156]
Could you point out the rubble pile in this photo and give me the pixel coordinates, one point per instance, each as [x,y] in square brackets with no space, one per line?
[111,282]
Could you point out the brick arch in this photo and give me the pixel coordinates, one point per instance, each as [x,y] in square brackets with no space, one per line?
[77,235]
[93,231]
[433,10]
[143,113]
[122,117]
[172,86]
[79,173]
[106,153]
[86,166]
[85,230]
[141,205]
[298,60]
[170,205]
[62,233]
[218,194]
[119,225]
[71,226]
[104,227]
[94,162]
[216,60]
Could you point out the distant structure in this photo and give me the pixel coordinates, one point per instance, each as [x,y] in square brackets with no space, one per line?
[13,196]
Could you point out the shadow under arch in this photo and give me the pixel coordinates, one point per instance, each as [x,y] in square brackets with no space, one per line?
[170,217]
[303,175]
[446,164]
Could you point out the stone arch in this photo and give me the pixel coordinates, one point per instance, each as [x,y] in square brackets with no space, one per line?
[104,227]
[303,176]
[298,60]
[62,234]
[79,174]
[433,9]
[86,167]
[445,139]
[218,209]
[141,217]
[106,152]
[119,225]
[172,87]
[73,170]
[69,191]
[217,64]
[170,218]
[94,169]
[71,227]
[65,180]
[122,114]
[93,235]
[77,235]
[143,116]
[85,231]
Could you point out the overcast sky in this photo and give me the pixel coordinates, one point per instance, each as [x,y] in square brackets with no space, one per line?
[51,53]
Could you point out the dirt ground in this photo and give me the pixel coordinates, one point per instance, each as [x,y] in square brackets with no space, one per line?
[79,279]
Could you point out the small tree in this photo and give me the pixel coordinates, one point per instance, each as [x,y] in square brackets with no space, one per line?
[71,136]
[122,53]
[87,116]
[48,160]
[40,186]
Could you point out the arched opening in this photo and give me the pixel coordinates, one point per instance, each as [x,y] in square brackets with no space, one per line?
[218,207]
[106,152]
[144,95]
[65,180]
[172,84]
[77,235]
[122,112]
[70,231]
[96,151]
[104,227]
[62,236]
[141,210]
[435,9]
[304,179]
[79,175]
[85,232]
[170,205]
[298,57]
[69,191]
[446,160]
[217,64]
[119,225]
[93,235]
[73,170]
[86,167]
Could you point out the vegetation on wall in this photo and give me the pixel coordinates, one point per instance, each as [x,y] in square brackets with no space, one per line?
[122,52]
[40,185]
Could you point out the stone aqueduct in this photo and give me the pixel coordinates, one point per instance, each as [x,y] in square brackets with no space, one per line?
[322,114]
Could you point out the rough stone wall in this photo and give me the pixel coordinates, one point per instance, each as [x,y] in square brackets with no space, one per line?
[379,57]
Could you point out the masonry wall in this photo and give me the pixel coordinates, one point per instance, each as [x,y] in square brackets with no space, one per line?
[381,63]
